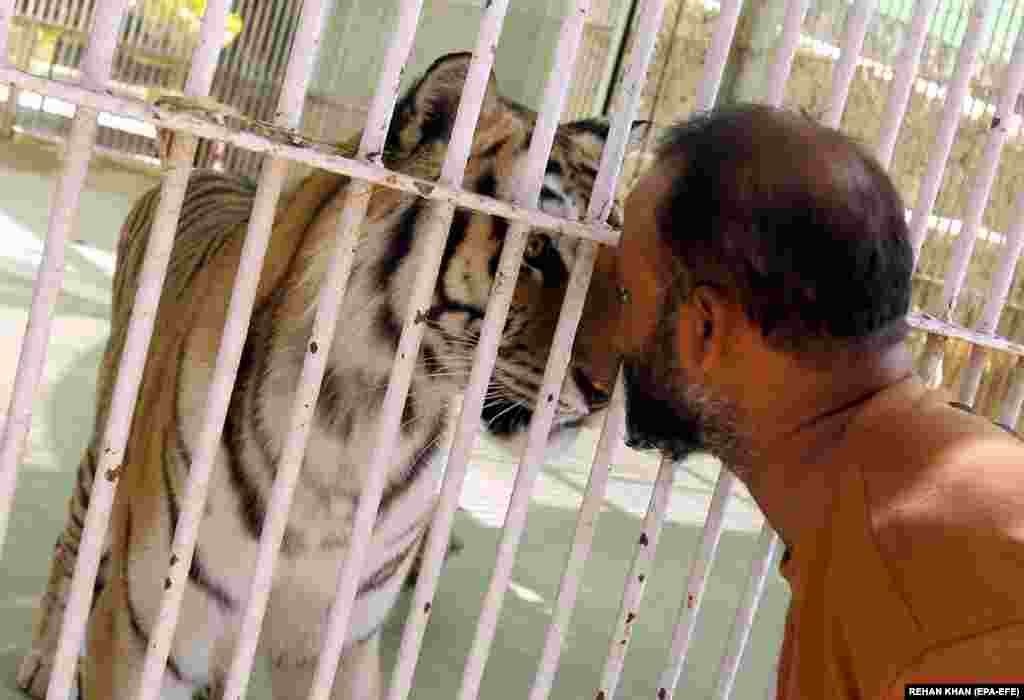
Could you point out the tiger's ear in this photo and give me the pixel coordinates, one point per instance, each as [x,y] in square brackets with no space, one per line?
[427,112]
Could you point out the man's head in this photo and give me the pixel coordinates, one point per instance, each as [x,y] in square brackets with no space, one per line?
[758,239]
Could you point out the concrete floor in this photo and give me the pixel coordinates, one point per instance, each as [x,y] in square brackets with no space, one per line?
[63,418]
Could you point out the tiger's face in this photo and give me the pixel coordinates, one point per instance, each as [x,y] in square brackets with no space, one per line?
[419,135]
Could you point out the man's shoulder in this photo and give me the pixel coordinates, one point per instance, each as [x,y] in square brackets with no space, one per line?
[945,498]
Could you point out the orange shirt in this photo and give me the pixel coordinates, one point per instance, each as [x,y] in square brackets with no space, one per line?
[918,574]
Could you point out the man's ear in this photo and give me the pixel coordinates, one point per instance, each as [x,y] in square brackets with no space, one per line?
[427,111]
[707,327]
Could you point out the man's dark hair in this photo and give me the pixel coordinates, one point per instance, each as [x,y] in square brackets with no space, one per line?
[795,220]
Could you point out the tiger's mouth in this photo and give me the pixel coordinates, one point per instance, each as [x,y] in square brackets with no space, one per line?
[506,417]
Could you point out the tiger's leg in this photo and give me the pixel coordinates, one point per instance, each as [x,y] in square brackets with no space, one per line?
[117,651]
[34,672]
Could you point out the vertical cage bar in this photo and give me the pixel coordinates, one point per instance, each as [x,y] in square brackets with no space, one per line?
[963,248]
[452,171]
[956,90]
[6,14]
[996,301]
[853,44]
[1009,413]
[601,202]
[636,580]
[140,327]
[315,364]
[32,357]
[796,11]
[289,112]
[1003,278]
[767,543]
[497,309]
[718,53]
[931,360]
[607,452]
[983,179]
[689,611]
[906,72]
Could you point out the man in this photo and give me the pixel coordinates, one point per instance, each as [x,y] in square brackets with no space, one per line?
[765,270]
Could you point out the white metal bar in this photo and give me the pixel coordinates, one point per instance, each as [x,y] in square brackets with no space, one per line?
[767,543]
[553,102]
[243,295]
[315,364]
[140,330]
[601,202]
[1010,412]
[308,152]
[906,72]
[796,11]
[970,376]
[607,452]
[636,580]
[689,611]
[930,324]
[1003,278]
[982,14]
[842,74]
[932,360]
[32,357]
[718,53]
[994,304]
[94,74]
[452,171]
[6,13]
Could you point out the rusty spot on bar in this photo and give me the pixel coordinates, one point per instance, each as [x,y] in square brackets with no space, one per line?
[691,599]
[113,474]
[600,695]
[420,317]
[643,539]
[313,347]
[167,583]
[996,121]
[426,608]
[662,694]
[641,578]
[174,559]
[630,617]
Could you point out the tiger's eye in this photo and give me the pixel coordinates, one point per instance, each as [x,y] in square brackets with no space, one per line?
[623,295]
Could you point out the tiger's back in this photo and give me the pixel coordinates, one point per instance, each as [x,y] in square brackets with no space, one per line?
[172,397]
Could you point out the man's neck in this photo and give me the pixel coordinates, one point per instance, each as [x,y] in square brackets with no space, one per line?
[795,427]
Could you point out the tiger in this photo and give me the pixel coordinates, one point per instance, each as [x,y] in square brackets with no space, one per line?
[169,410]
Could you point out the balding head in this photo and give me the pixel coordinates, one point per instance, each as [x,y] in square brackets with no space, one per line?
[793,219]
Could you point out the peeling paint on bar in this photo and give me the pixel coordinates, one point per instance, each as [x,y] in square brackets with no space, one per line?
[309,153]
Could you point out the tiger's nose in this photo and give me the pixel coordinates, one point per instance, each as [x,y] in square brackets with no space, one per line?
[595,393]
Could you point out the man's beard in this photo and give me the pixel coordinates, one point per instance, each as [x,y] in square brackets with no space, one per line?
[668,412]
